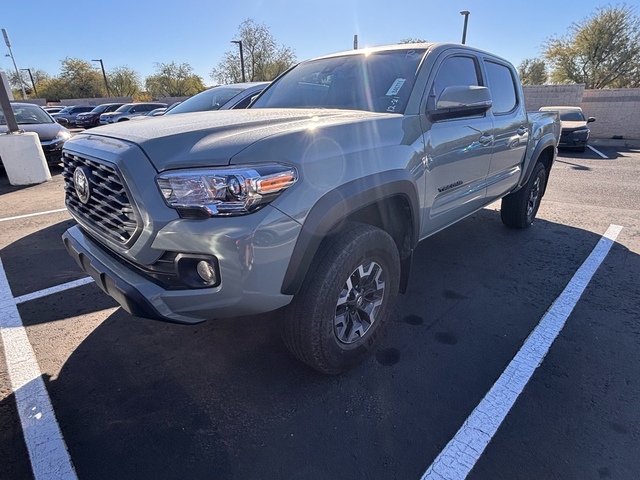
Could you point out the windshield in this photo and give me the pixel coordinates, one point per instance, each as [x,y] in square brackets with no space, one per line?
[571,116]
[27,115]
[211,99]
[100,109]
[376,82]
[124,108]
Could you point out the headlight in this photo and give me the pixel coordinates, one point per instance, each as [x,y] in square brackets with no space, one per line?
[225,191]
[64,135]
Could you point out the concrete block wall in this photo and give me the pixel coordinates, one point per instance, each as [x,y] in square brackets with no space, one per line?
[536,96]
[94,101]
[616,110]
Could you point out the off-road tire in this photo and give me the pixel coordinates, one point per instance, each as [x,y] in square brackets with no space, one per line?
[519,209]
[355,273]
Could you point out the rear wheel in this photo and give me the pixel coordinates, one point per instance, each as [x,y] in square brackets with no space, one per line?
[519,209]
[338,316]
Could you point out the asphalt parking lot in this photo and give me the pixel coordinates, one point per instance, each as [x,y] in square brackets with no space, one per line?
[135,398]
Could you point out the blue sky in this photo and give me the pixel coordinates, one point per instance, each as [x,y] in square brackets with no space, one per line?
[139,34]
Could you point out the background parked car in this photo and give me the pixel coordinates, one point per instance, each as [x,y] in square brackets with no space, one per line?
[70,113]
[92,118]
[575,127]
[225,97]
[32,118]
[53,109]
[128,111]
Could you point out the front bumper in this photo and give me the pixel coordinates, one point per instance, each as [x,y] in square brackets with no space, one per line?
[250,275]
[52,150]
[573,139]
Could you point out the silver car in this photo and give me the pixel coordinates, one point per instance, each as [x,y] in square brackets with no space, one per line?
[224,97]
[128,111]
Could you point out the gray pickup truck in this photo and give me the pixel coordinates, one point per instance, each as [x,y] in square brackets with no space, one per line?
[311,201]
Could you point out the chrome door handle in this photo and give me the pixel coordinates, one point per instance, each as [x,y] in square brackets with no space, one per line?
[486,139]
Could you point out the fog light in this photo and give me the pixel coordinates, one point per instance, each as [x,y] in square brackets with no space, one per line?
[206,271]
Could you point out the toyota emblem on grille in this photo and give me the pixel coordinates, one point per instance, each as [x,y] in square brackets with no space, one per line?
[82,185]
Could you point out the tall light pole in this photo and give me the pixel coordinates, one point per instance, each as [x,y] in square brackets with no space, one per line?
[104,75]
[464,29]
[239,42]
[33,84]
[6,40]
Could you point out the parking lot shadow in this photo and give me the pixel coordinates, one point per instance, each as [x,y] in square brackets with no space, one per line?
[142,399]
[223,399]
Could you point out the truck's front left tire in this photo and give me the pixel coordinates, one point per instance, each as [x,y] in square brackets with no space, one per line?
[349,293]
[519,209]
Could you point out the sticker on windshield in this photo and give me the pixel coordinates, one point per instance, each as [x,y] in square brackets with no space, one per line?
[396,86]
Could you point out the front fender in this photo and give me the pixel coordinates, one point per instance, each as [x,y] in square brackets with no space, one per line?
[337,205]
[546,141]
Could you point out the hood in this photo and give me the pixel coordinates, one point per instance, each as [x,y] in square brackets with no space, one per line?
[570,126]
[45,131]
[214,138]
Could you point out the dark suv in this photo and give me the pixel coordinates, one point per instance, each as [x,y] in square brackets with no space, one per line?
[92,118]
[70,113]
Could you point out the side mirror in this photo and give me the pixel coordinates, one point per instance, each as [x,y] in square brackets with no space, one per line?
[591,119]
[461,101]
[62,121]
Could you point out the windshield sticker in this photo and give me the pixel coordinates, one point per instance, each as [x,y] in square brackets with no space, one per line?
[396,86]
[393,104]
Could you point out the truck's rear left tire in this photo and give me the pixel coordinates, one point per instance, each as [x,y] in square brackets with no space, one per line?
[349,293]
[519,209]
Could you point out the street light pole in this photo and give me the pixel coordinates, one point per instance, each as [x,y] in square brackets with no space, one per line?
[104,75]
[239,42]
[464,29]
[33,84]
[8,43]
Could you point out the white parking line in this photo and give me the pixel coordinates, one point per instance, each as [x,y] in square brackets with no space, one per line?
[32,215]
[598,152]
[52,290]
[47,449]
[463,451]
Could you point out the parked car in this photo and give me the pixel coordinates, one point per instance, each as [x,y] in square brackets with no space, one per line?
[128,111]
[32,118]
[53,109]
[71,113]
[575,127]
[92,118]
[225,97]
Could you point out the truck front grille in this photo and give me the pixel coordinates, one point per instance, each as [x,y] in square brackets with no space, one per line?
[107,210]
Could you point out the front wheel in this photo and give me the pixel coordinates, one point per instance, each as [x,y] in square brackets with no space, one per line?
[339,315]
[519,209]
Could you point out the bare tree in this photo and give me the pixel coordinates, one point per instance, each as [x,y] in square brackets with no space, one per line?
[264,59]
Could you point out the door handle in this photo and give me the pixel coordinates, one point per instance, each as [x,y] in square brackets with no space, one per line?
[522,130]
[486,139]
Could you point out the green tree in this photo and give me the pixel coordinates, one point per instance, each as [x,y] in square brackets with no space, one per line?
[264,59]
[40,77]
[77,79]
[533,71]
[601,51]
[173,80]
[124,82]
